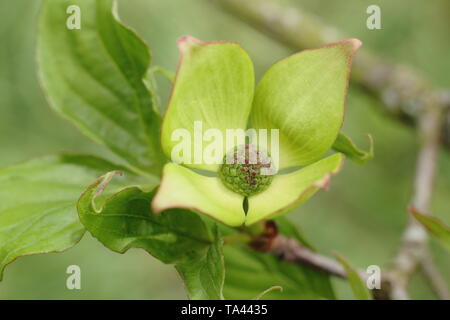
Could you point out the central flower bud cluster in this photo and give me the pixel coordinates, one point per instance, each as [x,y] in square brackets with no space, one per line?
[242,170]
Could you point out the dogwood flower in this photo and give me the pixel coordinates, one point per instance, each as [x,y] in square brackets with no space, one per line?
[302,96]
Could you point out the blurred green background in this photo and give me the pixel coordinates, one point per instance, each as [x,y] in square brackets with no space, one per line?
[361,216]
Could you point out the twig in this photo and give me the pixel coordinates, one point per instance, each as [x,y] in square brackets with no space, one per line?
[403,92]
[414,243]
[268,240]
[437,282]
[289,249]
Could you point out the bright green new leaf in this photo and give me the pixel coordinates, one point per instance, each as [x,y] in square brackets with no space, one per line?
[292,189]
[303,96]
[358,286]
[214,85]
[345,145]
[93,77]
[38,203]
[438,229]
[177,236]
[249,273]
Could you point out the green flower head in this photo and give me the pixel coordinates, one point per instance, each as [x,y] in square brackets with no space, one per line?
[302,97]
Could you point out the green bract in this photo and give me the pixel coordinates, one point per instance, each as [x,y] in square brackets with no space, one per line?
[302,96]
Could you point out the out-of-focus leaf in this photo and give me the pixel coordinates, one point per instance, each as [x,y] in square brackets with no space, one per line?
[359,288]
[345,145]
[286,228]
[176,236]
[38,203]
[248,273]
[94,77]
[167,74]
[438,229]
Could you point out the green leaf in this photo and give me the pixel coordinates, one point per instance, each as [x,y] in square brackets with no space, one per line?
[184,188]
[93,77]
[126,220]
[177,236]
[303,96]
[438,229]
[152,86]
[203,271]
[214,84]
[38,203]
[345,145]
[358,286]
[249,273]
[286,228]
[290,190]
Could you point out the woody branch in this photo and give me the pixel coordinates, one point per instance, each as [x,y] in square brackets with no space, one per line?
[414,250]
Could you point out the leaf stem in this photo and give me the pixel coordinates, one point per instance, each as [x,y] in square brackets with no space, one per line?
[237,238]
